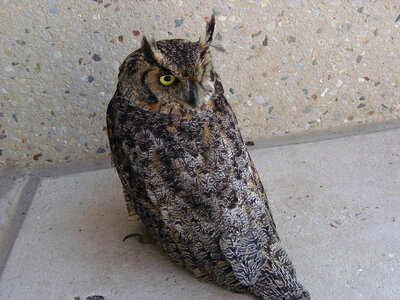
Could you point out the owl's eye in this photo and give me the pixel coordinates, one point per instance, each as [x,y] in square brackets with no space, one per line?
[167,79]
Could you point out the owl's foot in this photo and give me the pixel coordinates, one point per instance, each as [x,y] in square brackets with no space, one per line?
[142,238]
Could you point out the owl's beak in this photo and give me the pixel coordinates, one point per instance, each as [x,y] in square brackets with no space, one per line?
[192,94]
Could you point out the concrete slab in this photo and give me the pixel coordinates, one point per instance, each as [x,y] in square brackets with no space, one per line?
[336,204]
[337,208]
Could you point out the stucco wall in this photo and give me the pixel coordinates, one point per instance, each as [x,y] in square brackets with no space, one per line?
[287,66]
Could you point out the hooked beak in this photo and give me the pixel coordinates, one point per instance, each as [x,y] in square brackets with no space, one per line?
[192,99]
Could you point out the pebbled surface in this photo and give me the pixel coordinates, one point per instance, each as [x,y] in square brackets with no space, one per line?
[287,66]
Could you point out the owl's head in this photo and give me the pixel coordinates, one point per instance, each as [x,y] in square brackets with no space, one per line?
[174,72]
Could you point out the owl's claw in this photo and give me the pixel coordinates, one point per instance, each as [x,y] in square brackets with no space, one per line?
[136,235]
[142,238]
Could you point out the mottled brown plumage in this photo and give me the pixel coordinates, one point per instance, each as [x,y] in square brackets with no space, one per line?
[186,171]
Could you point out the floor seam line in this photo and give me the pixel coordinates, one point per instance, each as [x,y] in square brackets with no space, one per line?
[14,226]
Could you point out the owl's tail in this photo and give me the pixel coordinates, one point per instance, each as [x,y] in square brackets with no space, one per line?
[259,262]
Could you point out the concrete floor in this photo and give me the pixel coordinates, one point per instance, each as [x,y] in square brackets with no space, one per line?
[336,204]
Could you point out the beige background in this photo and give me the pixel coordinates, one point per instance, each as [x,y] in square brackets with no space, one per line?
[287,66]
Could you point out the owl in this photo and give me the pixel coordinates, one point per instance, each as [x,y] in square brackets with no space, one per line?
[185,170]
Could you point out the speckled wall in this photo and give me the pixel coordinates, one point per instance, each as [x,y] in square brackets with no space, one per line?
[287,66]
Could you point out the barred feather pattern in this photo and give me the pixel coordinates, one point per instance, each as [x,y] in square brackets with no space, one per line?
[187,173]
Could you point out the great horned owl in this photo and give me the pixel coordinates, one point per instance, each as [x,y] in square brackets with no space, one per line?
[185,170]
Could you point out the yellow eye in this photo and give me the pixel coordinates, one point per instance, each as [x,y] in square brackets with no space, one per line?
[167,79]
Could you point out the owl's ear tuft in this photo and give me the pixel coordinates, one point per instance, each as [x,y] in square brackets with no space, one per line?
[150,50]
[207,39]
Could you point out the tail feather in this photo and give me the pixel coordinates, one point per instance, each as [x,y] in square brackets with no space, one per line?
[260,262]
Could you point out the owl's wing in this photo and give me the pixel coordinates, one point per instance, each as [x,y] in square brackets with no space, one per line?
[263,195]
[244,253]
[255,255]
[132,184]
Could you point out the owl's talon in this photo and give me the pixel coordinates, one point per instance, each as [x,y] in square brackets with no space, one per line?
[136,235]
[142,238]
